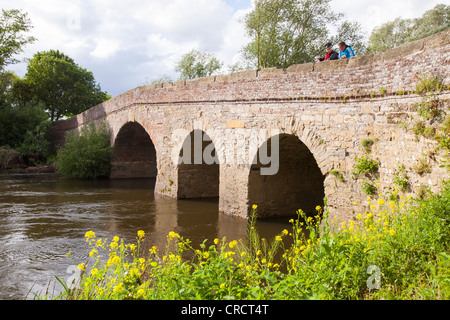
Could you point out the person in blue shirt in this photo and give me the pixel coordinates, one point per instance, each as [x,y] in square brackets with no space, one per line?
[345,51]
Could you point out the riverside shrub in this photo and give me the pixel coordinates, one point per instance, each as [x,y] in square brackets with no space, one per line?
[86,155]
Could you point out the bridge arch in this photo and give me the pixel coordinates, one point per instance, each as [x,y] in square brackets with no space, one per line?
[297,184]
[134,153]
[198,170]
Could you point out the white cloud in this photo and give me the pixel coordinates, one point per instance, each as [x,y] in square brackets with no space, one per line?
[126,42]
[106,48]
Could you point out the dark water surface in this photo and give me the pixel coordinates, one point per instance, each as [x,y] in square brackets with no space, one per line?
[42,218]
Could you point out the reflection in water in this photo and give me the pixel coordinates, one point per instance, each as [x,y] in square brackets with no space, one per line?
[42,218]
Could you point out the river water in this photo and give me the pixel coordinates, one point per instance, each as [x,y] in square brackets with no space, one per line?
[43,218]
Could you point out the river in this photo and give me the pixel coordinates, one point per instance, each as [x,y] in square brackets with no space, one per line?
[43,218]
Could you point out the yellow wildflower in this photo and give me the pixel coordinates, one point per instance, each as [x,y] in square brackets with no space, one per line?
[255,207]
[232,244]
[94,272]
[115,260]
[285,232]
[81,267]
[216,241]
[318,208]
[140,292]
[392,232]
[118,288]
[93,253]
[380,202]
[89,235]
[173,235]
[141,234]
[116,239]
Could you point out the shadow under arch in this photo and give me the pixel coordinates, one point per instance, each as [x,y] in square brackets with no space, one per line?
[198,168]
[298,183]
[134,154]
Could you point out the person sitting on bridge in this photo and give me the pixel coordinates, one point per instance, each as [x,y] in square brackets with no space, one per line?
[331,54]
[345,51]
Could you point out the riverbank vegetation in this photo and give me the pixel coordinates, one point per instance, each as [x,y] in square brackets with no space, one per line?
[86,154]
[398,249]
[54,87]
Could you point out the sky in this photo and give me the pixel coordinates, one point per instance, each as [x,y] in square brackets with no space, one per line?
[126,44]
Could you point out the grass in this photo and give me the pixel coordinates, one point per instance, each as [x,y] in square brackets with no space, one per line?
[398,249]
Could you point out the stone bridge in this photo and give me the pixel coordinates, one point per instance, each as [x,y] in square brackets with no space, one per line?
[280,138]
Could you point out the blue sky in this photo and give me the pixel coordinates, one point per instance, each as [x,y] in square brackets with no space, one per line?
[130,43]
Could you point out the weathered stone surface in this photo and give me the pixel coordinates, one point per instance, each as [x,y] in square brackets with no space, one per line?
[321,112]
[301,68]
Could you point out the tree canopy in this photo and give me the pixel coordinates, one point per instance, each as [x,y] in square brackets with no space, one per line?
[63,86]
[14,26]
[198,64]
[287,32]
[400,31]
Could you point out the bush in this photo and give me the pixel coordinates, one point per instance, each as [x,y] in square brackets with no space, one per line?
[15,122]
[86,155]
[36,147]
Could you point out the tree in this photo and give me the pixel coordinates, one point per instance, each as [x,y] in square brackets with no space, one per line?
[400,31]
[389,35]
[13,25]
[64,87]
[198,64]
[287,32]
[351,34]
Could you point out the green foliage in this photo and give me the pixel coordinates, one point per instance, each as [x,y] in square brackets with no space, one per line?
[429,83]
[400,31]
[400,179]
[365,166]
[422,166]
[86,155]
[338,175]
[14,25]
[367,144]
[419,128]
[163,79]
[350,32]
[368,188]
[16,121]
[405,242]
[197,64]
[36,146]
[290,32]
[63,86]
